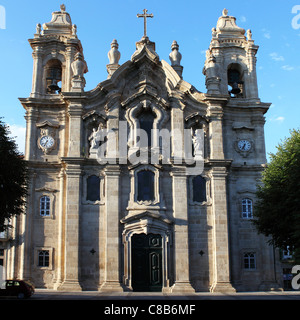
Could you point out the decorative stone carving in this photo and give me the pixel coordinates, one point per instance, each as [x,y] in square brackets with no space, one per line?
[225,12]
[249,35]
[74,30]
[175,58]
[79,67]
[96,136]
[198,143]
[60,24]
[114,56]
[175,55]
[38,29]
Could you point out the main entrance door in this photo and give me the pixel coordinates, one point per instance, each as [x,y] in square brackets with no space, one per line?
[146,262]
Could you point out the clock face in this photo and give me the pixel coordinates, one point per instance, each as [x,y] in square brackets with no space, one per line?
[47,142]
[244,145]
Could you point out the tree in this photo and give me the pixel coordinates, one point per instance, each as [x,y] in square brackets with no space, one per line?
[13,178]
[277,210]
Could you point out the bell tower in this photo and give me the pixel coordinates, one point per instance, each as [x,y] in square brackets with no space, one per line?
[230,66]
[55,48]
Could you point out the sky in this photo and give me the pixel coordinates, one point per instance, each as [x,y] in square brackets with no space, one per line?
[275,27]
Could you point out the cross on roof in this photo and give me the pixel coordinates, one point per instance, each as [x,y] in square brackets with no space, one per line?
[145,16]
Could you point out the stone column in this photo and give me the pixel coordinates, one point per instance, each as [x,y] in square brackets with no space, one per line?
[181,239]
[72,229]
[221,282]
[112,262]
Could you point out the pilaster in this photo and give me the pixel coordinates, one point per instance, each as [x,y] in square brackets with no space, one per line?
[112,282]
[75,129]
[31,138]
[221,282]
[181,240]
[216,131]
[72,229]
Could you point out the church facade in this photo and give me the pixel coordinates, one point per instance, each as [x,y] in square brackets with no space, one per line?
[111,211]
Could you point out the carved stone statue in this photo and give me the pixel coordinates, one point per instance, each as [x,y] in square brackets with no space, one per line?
[95,137]
[38,28]
[249,34]
[198,143]
[74,30]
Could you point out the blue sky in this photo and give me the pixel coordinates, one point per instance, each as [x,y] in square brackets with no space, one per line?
[188,22]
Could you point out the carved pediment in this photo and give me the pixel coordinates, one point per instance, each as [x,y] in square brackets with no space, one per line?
[147,222]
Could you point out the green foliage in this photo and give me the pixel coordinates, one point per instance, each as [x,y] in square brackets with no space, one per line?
[277,210]
[13,178]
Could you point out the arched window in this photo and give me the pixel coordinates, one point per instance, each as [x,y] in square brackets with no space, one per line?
[235,83]
[199,189]
[249,261]
[53,76]
[93,188]
[145,185]
[146,123]
[247,208]
[44,206]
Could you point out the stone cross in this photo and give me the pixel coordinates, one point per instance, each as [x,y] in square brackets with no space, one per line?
[145,16]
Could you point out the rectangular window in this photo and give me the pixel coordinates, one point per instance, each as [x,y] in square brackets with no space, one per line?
[145,185]
[247,209]
[45,206]
[93,188]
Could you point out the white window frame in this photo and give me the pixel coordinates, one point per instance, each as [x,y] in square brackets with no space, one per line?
[247,214]
[47,211]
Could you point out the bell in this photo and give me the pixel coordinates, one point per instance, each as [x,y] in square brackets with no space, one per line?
[53,87]
[235,88]
[54,76]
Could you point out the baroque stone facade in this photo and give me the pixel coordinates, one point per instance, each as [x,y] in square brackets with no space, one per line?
[103,222]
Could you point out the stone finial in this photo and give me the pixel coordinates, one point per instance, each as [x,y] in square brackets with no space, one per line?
[79,67]
[225,12]
[175,58]
[38,30]
[114,54]
[62,8]
[175,55]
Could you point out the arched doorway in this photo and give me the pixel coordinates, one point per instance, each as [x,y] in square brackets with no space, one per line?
[146,262]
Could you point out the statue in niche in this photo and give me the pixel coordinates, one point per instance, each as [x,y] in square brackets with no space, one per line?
[198,143]
[95,137]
